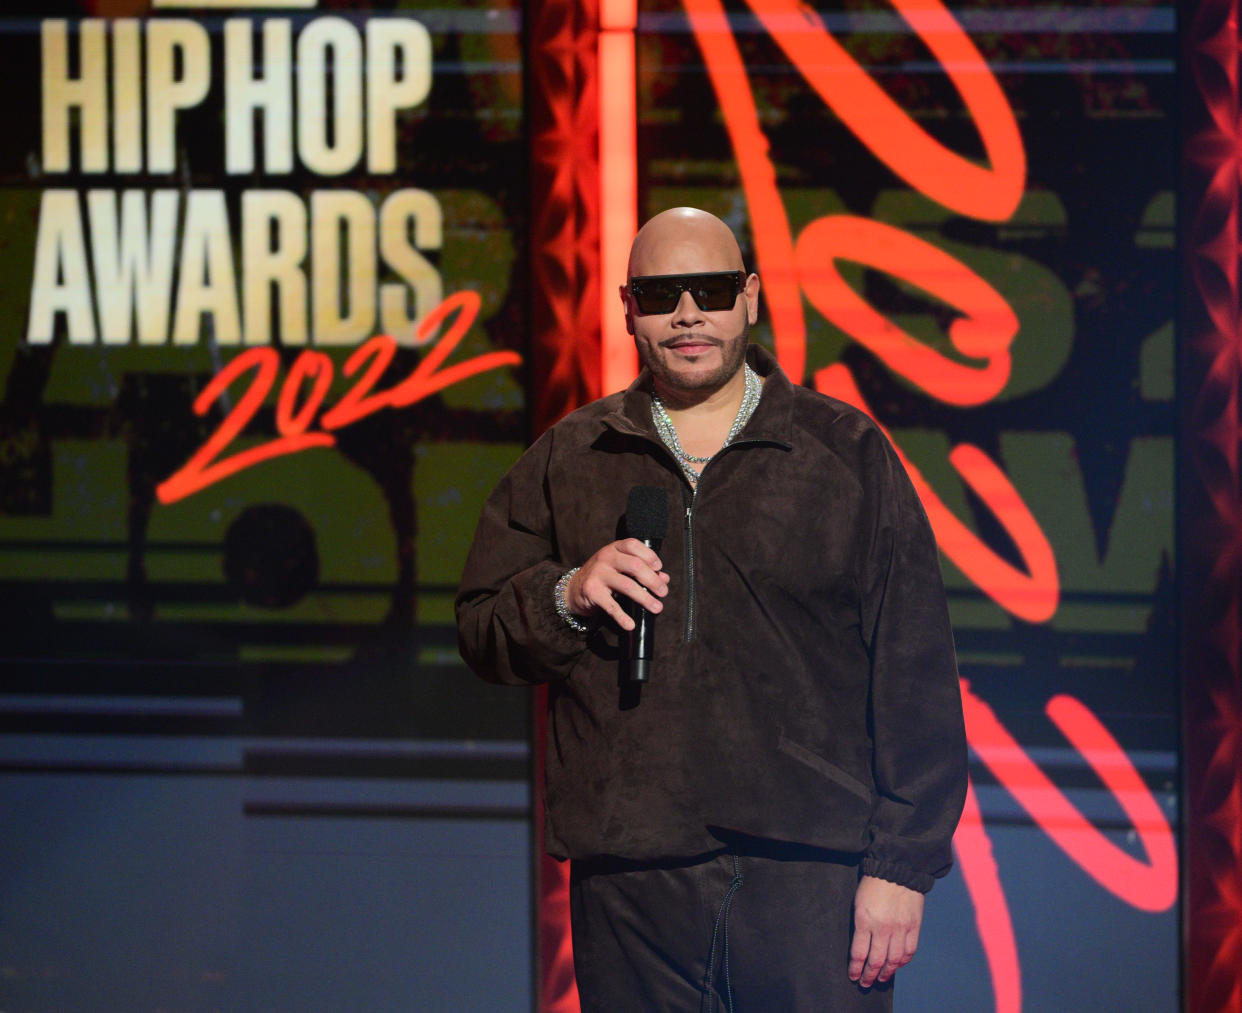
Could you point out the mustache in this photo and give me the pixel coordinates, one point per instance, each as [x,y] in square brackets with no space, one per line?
[686,339]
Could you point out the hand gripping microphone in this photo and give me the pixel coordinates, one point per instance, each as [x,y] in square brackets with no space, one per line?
[646,518]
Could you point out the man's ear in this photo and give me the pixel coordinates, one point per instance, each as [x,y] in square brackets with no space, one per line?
[629,316]
[751,292]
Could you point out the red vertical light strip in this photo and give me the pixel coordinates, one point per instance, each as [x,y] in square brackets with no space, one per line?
[618,184]
[562,126]
[1210,503]
[563,122]
[573,361]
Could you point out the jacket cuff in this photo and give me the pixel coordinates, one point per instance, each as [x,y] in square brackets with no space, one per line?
[549,626]
[575,623]
[897,872]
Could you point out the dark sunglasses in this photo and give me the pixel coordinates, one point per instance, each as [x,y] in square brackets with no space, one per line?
[660,293]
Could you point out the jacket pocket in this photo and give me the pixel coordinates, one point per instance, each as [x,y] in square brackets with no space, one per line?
[820,765]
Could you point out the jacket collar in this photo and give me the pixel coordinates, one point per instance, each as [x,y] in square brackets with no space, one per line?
[771,423]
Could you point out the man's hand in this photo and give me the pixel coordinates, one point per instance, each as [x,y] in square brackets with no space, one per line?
[886,929]
[626,567]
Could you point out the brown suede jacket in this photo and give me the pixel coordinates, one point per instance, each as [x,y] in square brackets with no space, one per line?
[804,687]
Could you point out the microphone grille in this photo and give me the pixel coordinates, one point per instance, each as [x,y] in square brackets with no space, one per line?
[646,513]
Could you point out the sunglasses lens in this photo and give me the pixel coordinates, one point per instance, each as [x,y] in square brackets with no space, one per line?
[661,293]
[716,292]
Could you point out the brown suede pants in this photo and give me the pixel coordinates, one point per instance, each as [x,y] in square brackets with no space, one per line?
[749,930]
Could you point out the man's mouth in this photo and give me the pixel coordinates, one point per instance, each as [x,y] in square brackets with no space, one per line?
[691,347]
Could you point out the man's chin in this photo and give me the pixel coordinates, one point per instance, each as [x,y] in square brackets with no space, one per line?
[693,381]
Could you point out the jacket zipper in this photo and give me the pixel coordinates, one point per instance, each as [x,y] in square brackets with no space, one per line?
[689,532]
[690,568]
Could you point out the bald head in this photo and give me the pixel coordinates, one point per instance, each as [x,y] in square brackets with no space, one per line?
[684,241]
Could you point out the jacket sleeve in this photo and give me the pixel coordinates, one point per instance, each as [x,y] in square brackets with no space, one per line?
[918,733]
[508,629]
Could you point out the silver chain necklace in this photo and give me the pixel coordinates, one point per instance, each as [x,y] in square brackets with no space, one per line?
[668,432]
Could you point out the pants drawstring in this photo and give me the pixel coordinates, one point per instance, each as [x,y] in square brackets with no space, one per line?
[722,916]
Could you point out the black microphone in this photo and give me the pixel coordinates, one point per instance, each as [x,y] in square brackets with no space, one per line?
[646,518]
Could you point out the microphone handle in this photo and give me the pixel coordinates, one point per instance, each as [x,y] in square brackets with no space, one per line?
[642,637]
[642,640]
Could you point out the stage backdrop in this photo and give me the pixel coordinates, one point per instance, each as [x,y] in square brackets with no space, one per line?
[964,223]
[269,277]
[264,298]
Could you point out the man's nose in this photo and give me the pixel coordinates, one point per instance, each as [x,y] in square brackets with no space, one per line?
[687,308]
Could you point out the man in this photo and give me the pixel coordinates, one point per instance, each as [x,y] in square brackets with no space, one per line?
[758,825]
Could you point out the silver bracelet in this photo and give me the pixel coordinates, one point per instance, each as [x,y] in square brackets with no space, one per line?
[562,606]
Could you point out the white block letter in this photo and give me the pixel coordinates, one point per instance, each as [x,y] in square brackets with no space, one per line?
[338,37]
[273,251]
[410,220]
[133,263]
[386,93]
[208,283]
[245,95]
[88,92]
[344,294]
[62,281]
[127,94]
[166,92]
